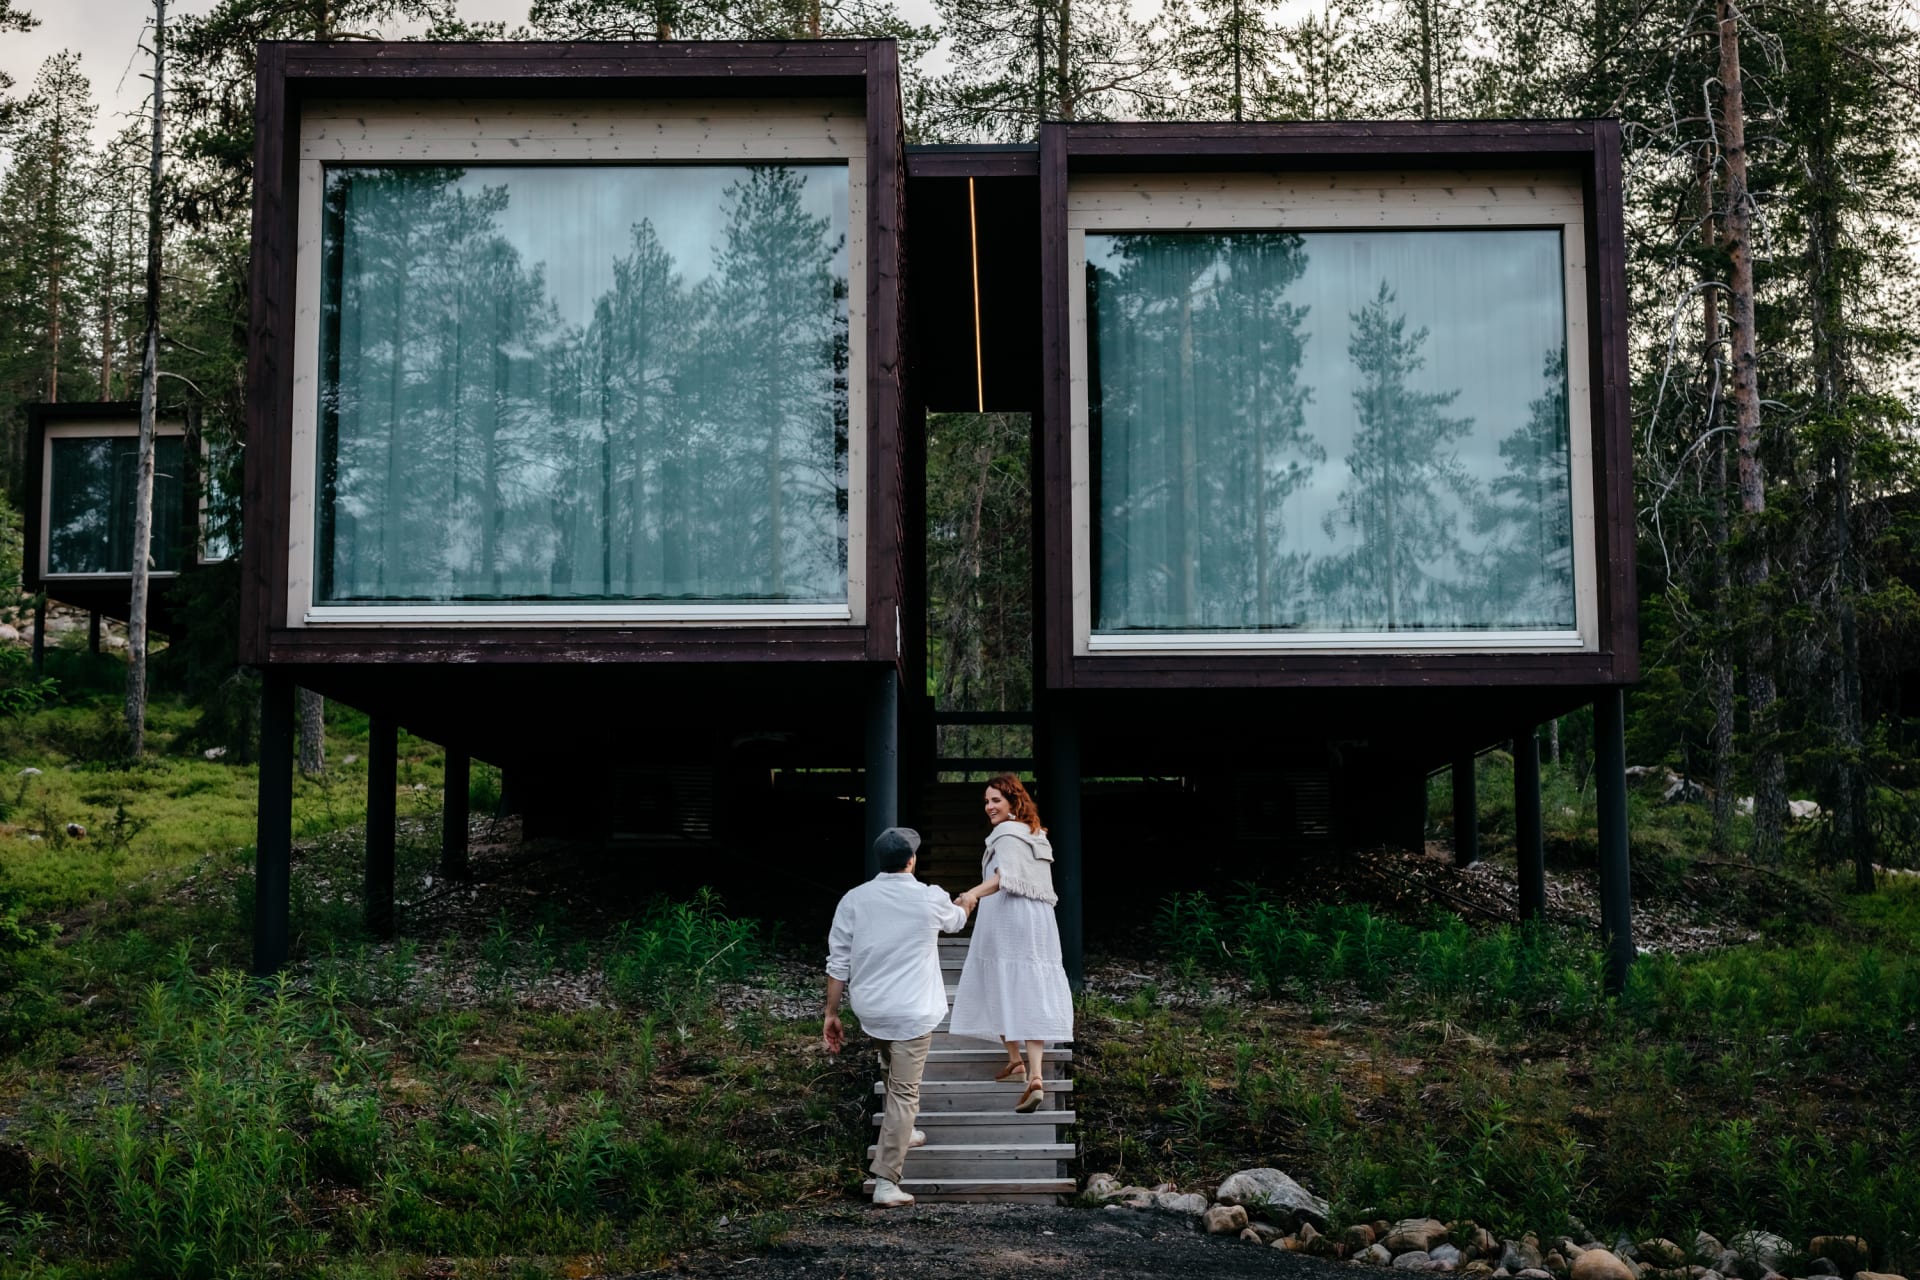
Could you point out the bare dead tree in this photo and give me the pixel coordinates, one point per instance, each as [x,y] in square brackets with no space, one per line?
[1743,398]
[149,379]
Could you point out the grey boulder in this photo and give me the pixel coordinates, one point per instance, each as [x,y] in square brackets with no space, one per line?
[1276,1196]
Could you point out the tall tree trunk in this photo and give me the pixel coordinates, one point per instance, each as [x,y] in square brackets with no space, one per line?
[1063,60]
[1426,59]
[313,733]
[1826,316]
[149,390]
[1720,739]
[1239,101]
[1769,767]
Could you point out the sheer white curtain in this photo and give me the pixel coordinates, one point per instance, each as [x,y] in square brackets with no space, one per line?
[1330,431]
[585,383]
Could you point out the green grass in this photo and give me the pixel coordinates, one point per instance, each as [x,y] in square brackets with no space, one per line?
[1480,1073]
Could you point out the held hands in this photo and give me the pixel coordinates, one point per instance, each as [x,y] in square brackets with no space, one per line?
[967,901]
[832,1035]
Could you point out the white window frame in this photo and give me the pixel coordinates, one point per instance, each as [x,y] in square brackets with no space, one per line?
[1334,201]
[81,429]
[570,132]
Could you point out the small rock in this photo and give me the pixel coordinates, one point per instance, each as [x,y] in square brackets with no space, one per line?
[1521,1255]
[1359,1237]
[1445,1253]
[1479,1268]
[1275,1196]
[1555,1264]
[77,831]
[1267,1232]
[1662,1252]
[1803,810]
[7,634]
[1600,1264]
[1251,1236]
[28,772]
[1375,1255]
[1761,1250]
[1727,1263]
[1847,1253]
[1535,1273]
[1877,1275]
[1706,1248]
[351,759]
[1822,1267]
[1415,1235]
[1411,1260]
[1189,1203]
[1225,1220]
[214,753]
[1102,1184]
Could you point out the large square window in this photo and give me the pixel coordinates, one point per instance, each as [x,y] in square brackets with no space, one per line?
[1330,432]
[90,486]
[583,383]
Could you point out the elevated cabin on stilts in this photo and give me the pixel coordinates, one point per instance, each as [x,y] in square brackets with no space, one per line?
[588,392]
[1332,468]
[574,435]
[79,512]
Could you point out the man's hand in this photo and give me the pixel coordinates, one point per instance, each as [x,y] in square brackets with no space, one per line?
[967,902]
[832,1035]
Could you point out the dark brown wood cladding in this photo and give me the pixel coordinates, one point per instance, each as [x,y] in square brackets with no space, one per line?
[1011,160]
[1590,148]
[289,73]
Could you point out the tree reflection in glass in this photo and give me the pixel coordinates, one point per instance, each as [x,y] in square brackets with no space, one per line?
[90,503]
[606,383]
[1226,368]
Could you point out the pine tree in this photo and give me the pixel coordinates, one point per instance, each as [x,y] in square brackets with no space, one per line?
[1053,60]
[1399,504]
[11,19]
[45,266]
[1230,55]
[1321,50]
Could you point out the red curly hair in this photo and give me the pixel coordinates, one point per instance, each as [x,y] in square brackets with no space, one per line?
[1024,809]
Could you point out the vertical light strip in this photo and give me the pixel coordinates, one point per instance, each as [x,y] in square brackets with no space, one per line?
[973,240]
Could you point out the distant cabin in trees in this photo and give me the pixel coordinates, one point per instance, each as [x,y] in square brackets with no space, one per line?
[588,398]
[80,507]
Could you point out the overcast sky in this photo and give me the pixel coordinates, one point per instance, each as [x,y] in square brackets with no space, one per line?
[107,36]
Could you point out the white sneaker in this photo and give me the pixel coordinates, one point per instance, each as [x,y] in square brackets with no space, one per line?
[888,1195]
[918,1139]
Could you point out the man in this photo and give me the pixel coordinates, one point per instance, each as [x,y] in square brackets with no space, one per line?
[884,946]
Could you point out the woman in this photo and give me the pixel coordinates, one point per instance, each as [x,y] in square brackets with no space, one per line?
[1013,988]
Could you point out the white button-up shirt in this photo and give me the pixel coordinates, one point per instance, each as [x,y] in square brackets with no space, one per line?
[884,946]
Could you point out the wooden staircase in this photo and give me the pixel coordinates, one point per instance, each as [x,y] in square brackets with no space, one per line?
[978,1147]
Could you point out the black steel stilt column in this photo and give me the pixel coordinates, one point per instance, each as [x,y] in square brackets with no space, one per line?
[273,833]
[1060,806]
[1466,813]
[1528,848]
[93,631]
[40,636]
[1610,785]
[883,759]
[383,750]
[453,815]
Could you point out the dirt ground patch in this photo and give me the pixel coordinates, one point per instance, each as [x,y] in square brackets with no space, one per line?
[998,1242]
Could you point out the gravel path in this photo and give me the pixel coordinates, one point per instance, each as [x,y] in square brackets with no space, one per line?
[1000,1242]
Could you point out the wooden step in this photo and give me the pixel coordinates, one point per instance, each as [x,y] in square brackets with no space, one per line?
[979,1064]
[986,1160]
[985,1127]
[979,1095]
[987,1190]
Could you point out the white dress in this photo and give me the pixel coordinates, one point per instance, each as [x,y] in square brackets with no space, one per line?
[1013,986]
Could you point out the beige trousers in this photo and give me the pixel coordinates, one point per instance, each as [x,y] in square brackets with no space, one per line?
[906,1060]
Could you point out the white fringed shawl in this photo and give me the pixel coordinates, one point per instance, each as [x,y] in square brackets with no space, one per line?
[1026,861]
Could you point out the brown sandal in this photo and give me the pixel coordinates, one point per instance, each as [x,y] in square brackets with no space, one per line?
[1010,1068]
[1036,1093]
